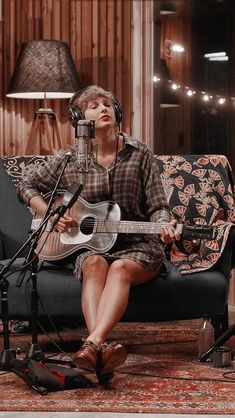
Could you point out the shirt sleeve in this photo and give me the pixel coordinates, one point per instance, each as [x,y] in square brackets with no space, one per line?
[40,179]
[156,201]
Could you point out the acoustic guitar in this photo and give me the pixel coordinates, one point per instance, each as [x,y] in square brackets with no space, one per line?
[97,226]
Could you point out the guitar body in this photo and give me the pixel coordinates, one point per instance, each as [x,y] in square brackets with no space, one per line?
[54,246]
[96,227]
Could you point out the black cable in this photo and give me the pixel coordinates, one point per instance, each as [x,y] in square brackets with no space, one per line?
[57,346]
[226,374]
[48,317]
[163,342]
[61,351]
[176,378]
[25,266]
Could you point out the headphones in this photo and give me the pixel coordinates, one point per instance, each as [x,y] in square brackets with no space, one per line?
[76,114]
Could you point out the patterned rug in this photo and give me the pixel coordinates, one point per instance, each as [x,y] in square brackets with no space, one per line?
[161,375]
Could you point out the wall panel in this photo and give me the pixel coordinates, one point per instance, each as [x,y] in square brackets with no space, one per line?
[99,33]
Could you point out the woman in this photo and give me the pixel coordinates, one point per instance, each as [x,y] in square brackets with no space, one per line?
[126,172]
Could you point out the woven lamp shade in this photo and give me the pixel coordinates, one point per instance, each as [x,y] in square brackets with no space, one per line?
[44,68]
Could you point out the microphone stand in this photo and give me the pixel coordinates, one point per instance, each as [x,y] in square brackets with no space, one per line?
[230,331]
[53,194]
[220,341]
[9,354]
[83,129]
[35,351]
[31,260]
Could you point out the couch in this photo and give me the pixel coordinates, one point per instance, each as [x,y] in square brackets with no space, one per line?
[183,291]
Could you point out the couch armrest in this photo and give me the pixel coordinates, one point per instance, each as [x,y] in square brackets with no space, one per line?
[15,218]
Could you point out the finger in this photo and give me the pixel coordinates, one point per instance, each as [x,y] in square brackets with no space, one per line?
[165,237]
[177,236]
[67,217]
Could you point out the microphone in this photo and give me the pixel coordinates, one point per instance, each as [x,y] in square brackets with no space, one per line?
[68,200]
[84,131]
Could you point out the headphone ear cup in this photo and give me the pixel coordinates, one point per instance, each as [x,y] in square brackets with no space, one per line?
[75,112]
[75,115]
[117,111]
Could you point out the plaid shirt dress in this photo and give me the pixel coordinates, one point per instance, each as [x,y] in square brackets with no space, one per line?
[132,181]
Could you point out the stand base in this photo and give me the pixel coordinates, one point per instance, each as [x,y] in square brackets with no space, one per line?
[35,352]
[220,341]
[6,358]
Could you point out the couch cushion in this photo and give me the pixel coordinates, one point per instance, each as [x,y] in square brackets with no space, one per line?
[167,297]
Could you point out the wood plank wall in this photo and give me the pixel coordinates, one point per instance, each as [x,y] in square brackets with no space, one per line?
[174,135]
[99,34]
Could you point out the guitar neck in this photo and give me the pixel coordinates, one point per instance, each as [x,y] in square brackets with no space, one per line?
[128,227]
[135,227]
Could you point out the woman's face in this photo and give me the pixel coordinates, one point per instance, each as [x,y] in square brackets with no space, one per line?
[101,111]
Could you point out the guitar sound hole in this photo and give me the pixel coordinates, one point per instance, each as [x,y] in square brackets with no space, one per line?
[87,225]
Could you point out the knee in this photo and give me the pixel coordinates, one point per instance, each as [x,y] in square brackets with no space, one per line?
[120,271]
[93,263]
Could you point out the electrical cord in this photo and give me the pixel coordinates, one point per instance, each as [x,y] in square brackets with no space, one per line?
[28,264]
[226,374]
[61,351]
[57,346]
[177,378]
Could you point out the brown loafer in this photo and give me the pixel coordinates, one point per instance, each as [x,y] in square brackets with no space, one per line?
[87,356]
[110,356]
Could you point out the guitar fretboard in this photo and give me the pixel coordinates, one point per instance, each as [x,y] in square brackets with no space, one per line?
[127,227]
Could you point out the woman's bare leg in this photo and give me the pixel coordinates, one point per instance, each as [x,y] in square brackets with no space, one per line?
[114,298]
[104,300]
[95,269]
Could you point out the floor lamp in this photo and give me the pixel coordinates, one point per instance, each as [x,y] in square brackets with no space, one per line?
[44,70]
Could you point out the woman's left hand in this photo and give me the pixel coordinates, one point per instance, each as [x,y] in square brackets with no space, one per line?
[169,234]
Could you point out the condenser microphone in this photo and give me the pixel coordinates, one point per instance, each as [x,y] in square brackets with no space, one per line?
[68,200]
[85,153]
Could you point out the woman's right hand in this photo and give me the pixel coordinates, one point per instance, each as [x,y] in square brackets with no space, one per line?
[64,223]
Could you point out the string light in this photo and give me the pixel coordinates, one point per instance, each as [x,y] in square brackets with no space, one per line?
[156,79]
[190,92]
[221,100]
[175,86]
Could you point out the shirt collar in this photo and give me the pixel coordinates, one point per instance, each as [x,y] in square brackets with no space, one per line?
[129,140]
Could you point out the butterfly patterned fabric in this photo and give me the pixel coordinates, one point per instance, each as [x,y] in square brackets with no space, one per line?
[19,166]
[200,191]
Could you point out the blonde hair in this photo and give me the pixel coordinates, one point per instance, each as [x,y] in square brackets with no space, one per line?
[80,99]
